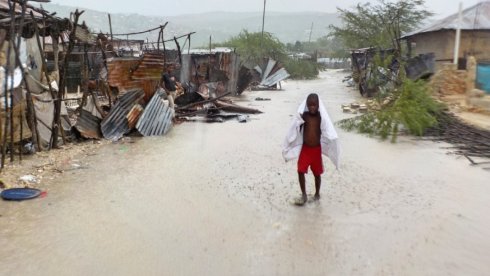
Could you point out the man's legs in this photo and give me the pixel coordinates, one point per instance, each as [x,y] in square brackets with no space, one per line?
[171,98]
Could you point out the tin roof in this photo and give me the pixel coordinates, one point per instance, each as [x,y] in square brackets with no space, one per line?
[157,117]
[129,73]
[4,8]
[476,17]
[88,125]
[116,124]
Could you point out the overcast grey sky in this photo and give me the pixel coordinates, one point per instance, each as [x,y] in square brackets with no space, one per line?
[176,7]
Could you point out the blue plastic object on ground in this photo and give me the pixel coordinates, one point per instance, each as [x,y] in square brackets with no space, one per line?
[20,193]
[483,77]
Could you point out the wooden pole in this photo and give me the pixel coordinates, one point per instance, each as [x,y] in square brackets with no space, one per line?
[57,112]
[43,62]
[5,128]
[110,26]
[311,31]
[164,47]
[178,50]
[104,83]
[158,40]
[11,115]
[263,22]
[9,71]
[21,119]
[31,112]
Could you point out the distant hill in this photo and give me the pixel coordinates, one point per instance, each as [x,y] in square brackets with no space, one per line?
[287,27]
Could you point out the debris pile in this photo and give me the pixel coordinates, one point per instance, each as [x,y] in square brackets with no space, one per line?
[467,140]
[217,109]
[118,91]
[449,81]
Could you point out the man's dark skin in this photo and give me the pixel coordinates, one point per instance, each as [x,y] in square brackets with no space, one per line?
[311,138]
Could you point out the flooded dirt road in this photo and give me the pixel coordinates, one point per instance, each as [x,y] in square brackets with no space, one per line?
[215,199]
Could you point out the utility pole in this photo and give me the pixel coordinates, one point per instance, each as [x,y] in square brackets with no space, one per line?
[263,21]
[458,34]
[311,30]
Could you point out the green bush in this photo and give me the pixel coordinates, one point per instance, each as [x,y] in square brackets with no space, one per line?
[301,69]
[411,109]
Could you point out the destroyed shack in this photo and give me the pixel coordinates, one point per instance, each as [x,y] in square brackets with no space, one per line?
[370,75]
[211,74]
[45,60]
[365,69]
[33,101]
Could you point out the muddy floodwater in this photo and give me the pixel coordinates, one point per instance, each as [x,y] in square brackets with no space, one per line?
[215,199]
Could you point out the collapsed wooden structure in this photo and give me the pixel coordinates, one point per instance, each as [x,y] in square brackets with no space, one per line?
[45,57]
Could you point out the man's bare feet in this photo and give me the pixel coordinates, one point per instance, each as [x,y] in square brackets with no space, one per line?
[300,201]
[316,197]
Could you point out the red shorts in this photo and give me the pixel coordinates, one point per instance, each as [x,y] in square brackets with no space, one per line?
[310,157]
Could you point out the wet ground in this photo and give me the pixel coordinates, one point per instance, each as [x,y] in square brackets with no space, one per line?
[215,199]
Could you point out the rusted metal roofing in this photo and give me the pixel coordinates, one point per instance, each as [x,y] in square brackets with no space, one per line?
[4,7]
[149,73]
[116,124]
[120,71]
[134,115]
[476,17]
[131,73]
[88,125]
[245,77]
[157,117]
[200,69]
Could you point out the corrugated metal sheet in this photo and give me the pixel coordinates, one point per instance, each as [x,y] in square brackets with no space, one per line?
[157,117]
[4,6]
[278,76]
[245,77]
[115,125]
[88,125]
[130,73]
[270,65]
[476,17]
[134,115]
[120,71]
[149,73]
[222,67]
[150,67]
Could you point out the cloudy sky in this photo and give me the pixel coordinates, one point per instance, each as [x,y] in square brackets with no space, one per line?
[176,7]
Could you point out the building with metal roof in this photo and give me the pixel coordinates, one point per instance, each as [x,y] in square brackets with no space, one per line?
[439,37]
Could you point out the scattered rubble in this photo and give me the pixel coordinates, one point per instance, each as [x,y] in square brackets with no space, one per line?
[355,107]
